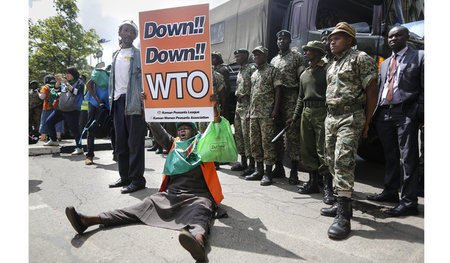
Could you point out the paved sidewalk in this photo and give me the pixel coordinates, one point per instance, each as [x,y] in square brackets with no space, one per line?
[68,145]
[265,224]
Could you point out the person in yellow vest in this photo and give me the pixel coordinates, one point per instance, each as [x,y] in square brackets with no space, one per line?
[188,197]
[84,107]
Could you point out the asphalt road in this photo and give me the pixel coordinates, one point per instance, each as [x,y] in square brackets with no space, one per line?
[265,224]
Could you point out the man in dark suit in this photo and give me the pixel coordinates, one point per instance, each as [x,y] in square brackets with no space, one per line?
[399,109]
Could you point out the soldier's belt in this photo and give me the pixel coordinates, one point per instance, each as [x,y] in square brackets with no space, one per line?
[340,110]
[314,104]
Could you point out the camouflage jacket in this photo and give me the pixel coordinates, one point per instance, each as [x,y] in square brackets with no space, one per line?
[218,82]
[243,88]
[218,86]
[226,75]
[348,77]
[264,81]
[291,65]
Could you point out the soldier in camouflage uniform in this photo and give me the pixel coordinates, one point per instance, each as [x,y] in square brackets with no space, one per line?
[241,125]
[351,100]
[264,109]
[311,109]
[291,65]
[218,88]
[324,38]
[217,62]
[34,108]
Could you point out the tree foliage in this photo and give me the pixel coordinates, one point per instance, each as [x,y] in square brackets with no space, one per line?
[58,42]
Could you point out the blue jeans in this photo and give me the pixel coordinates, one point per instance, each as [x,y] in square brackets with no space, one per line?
[59,126]
[72,120]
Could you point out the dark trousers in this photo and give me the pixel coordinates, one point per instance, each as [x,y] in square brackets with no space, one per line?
[71,118]
[92,111]
[130,141]
[82,120]
[399,137]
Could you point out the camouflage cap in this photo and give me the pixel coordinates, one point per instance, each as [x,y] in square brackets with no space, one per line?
[284,33]
[131,23]
[344,27]
[315,45]
[192,124]
[261,49]
[241,51]
[216,53]
[326,32]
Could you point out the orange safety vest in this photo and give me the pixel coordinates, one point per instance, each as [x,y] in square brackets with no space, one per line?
[211,179]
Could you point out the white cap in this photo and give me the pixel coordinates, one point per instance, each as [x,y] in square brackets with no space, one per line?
[131,23]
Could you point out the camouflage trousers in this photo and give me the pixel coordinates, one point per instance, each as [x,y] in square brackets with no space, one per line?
[342,133]
[312,139]
[202,126]
[290,142]
[262,131]
[242,133]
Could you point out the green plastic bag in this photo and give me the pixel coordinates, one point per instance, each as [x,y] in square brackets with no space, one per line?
[217,143]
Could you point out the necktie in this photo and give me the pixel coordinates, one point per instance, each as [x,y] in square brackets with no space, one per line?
[390,93]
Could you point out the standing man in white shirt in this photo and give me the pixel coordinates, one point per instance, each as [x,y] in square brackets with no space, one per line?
[127,108]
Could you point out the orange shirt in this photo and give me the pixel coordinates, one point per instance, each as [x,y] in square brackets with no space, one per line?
[46,106]
[211,179]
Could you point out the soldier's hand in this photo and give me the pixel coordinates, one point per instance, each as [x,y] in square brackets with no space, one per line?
[366,131]
[275,115]
[290,122]
[143,96]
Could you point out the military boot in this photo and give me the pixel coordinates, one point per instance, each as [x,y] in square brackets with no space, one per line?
[328,196]
[332,211]
[267,178]
[311,186]
[251,167]
[258,174]
[293,175]
[320,182]
[240,166]
[329,211]
[340,228]
[279,170]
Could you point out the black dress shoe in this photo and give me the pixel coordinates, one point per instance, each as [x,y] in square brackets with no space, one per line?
[384,197]
[131,188]
[119,183]
[402,210]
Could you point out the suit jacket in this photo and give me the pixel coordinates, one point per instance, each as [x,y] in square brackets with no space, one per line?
[410,82]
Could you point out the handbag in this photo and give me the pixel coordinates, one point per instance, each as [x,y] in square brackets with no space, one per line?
[67,101]
[217,143]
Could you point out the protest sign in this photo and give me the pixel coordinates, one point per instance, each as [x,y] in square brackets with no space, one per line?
[176,64]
